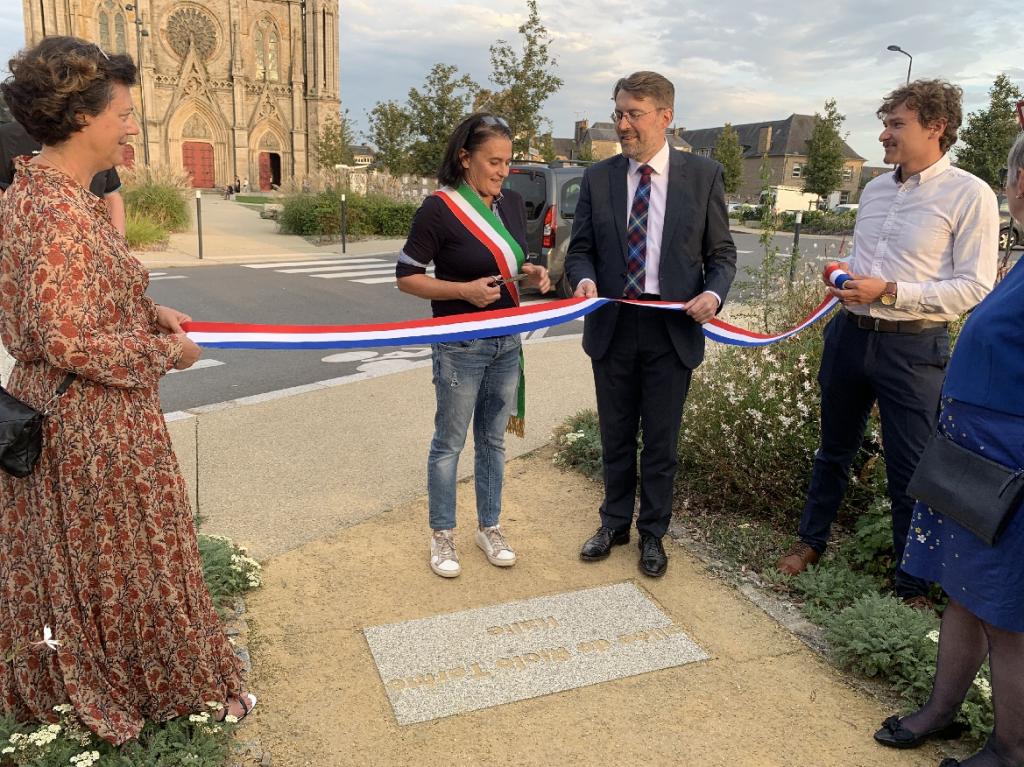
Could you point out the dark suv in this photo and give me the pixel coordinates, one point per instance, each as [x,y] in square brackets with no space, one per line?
[1011,234]
[550,192]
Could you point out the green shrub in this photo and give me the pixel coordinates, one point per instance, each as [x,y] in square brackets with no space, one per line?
[879,636]
[143,232]
[869,549]
[820,222]
[578,444]
[831,586]
[162,202]
[188,741]
[319,215]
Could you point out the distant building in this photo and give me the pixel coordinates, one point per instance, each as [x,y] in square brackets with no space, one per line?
[869,172]
[362,155]
[229,88]
[600,141]
[785,144]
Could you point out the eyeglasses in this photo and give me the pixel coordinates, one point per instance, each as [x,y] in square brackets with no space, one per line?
[632,115]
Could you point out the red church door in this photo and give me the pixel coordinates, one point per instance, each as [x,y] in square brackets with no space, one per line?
[197,157]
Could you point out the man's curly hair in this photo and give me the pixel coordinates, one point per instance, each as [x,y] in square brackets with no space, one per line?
[933,100]
[54,83]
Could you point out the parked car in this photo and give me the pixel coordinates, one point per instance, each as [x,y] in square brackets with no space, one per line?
[550,192]
[1011,233]
[846,207]
[736,208]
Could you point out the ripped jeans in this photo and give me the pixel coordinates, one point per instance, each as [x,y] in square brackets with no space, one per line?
[475,380]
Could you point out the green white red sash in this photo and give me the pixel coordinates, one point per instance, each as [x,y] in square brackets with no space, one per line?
[485,225]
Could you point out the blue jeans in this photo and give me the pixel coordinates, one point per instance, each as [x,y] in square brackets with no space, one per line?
[472,379]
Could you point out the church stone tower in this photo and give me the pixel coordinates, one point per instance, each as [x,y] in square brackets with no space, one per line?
[228,87]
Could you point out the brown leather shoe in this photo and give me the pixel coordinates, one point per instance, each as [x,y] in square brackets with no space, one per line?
[797,559]
[920,603]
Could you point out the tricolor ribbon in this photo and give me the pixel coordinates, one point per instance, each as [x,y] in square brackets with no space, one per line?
[459,327]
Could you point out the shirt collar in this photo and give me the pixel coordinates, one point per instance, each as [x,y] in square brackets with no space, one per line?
[658,163]
[940,166]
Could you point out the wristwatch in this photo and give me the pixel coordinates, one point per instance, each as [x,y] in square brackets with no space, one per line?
[888,297]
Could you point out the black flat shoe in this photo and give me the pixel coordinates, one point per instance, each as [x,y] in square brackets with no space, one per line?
[894,735]
[653,561]
[599,545]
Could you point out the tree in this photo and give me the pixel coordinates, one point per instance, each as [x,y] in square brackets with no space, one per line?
[525,80]
[546,146]
[729,152]
[435,111]
[823,172]
[334,143]
[391,133]
[989,133]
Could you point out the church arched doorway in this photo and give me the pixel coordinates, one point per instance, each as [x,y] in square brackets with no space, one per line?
[270,170]
[197,159]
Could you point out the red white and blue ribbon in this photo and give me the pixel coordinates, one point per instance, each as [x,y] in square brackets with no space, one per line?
[459,327]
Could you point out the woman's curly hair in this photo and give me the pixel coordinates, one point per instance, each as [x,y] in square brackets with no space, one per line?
[933,100]
[57,81]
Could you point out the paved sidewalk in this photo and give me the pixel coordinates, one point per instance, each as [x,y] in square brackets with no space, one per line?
[327,488]
[235,233]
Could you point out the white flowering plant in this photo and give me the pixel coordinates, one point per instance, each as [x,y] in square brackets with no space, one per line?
[194,739]
[578,444]
[228,569]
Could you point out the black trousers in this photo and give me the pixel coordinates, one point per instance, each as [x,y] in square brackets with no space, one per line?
[903,372]
[641,384]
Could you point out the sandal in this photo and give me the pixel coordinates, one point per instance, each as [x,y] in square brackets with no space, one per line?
[247,701]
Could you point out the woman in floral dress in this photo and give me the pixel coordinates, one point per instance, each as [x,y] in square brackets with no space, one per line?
[98,543]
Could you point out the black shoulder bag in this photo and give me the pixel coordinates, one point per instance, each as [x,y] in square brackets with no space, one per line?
[21,430]
[981,494]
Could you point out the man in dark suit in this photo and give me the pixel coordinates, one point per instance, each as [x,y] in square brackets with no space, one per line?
[651,224]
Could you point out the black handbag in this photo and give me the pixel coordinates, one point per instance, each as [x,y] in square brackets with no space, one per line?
[21,430]
[980,494]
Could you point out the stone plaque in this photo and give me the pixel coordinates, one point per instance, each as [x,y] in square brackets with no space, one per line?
[451,664]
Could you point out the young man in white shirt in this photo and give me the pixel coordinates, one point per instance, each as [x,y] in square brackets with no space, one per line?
[925,251]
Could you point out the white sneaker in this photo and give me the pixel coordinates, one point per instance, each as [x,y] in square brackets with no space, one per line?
[493,544]
[444,560]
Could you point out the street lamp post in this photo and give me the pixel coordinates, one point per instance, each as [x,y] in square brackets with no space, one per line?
[139,34]
[897,49]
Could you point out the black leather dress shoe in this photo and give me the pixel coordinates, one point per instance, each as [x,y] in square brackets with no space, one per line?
[653,560]
[599,545]
[894,735]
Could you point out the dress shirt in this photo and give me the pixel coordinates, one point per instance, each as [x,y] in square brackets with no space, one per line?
[935,234]
[655,215]
[655,211]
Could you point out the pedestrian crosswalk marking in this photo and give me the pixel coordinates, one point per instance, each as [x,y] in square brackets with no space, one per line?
[154,276]
[322,261]
[366,271]
[344,268]
[200,365]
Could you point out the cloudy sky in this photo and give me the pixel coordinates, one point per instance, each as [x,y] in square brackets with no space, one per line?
[731,60]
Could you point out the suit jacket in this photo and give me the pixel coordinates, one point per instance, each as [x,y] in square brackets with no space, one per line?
[697,251]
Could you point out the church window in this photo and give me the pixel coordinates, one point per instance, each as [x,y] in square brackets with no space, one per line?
[112,26]
[268,46]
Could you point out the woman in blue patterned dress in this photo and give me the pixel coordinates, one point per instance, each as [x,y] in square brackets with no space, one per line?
[982,410]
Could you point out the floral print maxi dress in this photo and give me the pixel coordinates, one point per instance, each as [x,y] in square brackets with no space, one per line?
[98,543]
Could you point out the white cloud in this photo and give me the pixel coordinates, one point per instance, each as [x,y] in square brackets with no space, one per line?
[731,60]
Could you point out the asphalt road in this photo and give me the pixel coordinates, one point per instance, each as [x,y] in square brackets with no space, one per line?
[298,291]
[334,291]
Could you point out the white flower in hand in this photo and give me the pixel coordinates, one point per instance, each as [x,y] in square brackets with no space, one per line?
[48,639]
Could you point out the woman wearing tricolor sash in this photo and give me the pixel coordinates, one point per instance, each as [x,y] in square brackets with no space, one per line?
[474,233]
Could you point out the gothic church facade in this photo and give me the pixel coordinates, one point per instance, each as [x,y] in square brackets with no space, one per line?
[228,88]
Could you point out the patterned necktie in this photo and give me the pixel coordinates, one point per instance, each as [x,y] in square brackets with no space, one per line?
[636,235]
